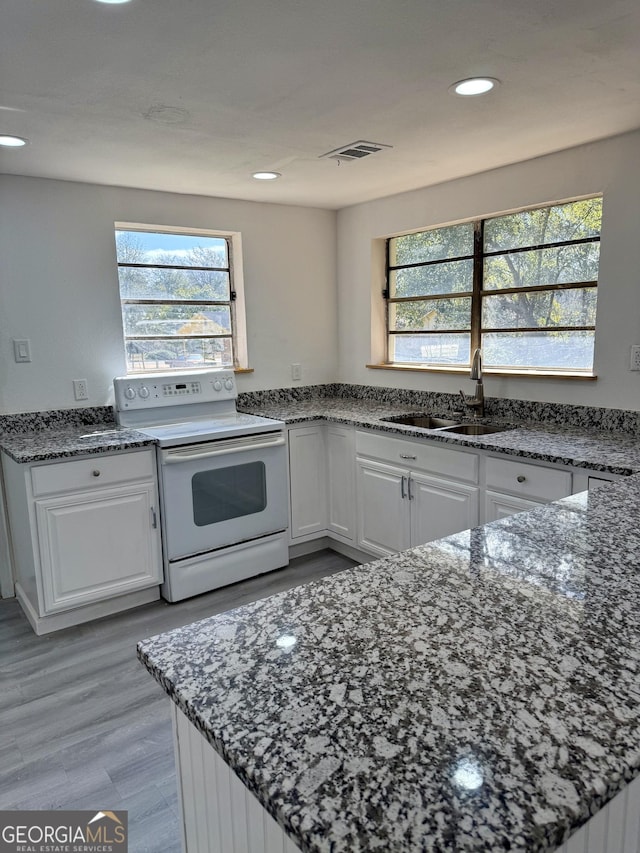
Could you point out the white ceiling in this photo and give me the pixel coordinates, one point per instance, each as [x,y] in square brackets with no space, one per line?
[273,84]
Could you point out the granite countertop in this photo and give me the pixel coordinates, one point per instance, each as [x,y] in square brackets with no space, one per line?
[599,450]
[615,452]
[478,693]
[71,440]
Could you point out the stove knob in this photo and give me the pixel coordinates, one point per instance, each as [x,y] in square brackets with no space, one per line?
[217,385]
[228,384]
[144,392]
[129,392]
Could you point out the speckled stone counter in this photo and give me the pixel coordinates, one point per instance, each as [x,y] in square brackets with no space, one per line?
[600,450]
[73,440]
[479,693]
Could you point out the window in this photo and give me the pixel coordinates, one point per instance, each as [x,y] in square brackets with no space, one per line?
[523,287]
[178,300]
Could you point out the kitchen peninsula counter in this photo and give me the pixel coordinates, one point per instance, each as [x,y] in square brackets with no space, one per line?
[479,693]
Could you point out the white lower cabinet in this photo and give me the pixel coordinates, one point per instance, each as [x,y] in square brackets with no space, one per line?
[321,477]
[384,520]
[513,486]
[440,507]
[402,506]
[307,477]
[341,488]
[497,506]
[85,535]
[96,545]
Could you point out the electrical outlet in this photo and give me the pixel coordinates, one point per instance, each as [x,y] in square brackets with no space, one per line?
[296,371]
[634,362]
[80,389]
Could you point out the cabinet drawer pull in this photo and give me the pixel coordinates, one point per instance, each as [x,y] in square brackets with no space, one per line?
[95,472]
[521,478]
[407,456]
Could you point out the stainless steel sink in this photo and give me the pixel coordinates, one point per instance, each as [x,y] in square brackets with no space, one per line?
[474,429]
[421,420]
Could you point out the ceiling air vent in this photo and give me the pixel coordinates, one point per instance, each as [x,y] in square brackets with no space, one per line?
[355,151]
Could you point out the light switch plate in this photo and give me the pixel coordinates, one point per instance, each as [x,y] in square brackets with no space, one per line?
[21,349]
[296,371]
[634,362]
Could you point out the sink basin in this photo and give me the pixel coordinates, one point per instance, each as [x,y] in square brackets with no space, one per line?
[474,429]
[421,420]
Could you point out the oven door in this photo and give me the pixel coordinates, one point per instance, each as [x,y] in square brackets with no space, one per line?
[219,493]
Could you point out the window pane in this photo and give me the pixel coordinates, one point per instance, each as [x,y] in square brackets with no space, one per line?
[562,265]
[178,353]
[448,277]
[562,350]
[170,320]
[450,242]
[431,349]
[140,283]
[549,308]
[187,250]
[572,221]
[432,314]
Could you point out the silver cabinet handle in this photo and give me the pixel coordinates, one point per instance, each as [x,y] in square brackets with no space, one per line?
[402,491]
[521,478]
[409,479]
[407,456]
[154,518]
[95,473]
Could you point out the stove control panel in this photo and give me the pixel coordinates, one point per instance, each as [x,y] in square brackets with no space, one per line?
[156,390]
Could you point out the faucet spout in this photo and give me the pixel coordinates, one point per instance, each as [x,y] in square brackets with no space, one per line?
[475,403]
[476,366]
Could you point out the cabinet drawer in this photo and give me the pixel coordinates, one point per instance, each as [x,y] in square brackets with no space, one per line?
[419,455]
[533,481]
[96,472]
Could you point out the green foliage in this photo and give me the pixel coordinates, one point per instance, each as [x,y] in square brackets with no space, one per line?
[535,268]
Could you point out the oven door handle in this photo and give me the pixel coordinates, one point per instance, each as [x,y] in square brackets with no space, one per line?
[209,450]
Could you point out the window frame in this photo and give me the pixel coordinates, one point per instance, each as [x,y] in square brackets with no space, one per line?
[235,303]
[476,330]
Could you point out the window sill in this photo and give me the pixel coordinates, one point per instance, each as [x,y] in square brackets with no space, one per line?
[464,371]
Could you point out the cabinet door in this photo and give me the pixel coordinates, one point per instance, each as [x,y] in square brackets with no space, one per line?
[497,506]
[383,512]
[308,476]
[341,493]
[440,508]
[99,544]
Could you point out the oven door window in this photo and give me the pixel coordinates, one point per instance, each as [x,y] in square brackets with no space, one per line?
[227,493]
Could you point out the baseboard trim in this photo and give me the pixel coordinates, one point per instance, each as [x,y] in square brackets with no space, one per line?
[57,621]
[301,549]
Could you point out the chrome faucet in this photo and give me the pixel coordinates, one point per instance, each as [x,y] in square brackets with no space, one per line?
[475,403]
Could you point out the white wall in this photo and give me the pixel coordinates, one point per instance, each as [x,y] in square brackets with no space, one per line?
[59,287]
[611,167]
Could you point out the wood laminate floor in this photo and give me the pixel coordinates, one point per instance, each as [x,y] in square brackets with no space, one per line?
[84,726]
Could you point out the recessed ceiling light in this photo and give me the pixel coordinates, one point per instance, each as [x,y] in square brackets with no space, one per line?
[113,1]
[13,141]
[474,86]
[266,176]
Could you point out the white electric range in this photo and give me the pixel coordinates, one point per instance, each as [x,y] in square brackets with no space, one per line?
[222,476]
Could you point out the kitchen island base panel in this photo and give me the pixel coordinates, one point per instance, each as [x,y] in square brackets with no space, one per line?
[220,815]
